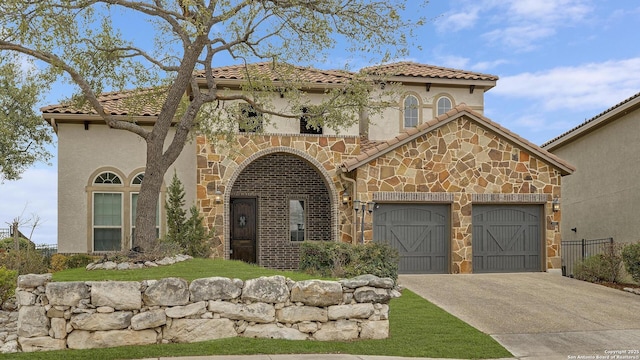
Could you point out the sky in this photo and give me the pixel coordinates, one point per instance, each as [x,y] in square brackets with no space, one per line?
[560,62]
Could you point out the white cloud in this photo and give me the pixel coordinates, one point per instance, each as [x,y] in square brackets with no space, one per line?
[34,194]
[522,38]
[588,86]
[517,24]
[453,61]
[487,65]
[455,21]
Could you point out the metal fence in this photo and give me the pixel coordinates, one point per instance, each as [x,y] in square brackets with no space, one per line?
[5,233]
[578,250]
[47,249]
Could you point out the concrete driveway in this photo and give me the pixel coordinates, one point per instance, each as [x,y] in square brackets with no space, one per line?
[540,315]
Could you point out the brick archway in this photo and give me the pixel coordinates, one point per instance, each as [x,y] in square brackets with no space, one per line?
[280,172]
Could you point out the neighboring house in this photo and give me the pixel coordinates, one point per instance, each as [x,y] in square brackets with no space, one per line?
[602,198]
[453,191]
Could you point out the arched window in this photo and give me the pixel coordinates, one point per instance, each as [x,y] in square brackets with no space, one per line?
[410,111]
[107,178]
[107,213]
[138,179]
[443,105]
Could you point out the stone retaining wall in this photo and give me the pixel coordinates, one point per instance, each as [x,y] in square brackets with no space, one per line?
[97,314]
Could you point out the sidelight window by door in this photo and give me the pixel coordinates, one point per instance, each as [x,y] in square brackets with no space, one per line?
[297,219]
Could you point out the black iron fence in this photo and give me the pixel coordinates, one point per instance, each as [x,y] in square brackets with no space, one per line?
[578,250]
[47,249]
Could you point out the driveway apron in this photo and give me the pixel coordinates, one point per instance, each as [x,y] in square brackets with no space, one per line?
[539,315]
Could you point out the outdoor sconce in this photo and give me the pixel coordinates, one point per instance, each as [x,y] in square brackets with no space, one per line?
[218,196]
[555,205]
[362,206]
[345,197]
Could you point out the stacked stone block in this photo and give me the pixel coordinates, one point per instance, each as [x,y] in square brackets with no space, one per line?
[81,315]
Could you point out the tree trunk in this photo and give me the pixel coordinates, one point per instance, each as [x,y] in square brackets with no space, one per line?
[145,235]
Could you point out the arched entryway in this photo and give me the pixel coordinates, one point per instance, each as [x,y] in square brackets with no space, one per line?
[277,201]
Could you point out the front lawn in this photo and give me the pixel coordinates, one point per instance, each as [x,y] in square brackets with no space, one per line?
[418,328]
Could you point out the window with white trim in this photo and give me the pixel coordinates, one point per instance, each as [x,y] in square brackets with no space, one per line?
[410,111]
[107,213]
[443,105]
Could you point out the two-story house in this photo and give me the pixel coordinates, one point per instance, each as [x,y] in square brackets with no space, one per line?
[452,190]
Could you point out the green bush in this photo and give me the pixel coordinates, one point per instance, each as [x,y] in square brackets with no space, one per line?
[9,244]
[196,239]
[79,261]
[631,258]
[8,283]
[27,261]
[605,267]
[58,262]
[337,259]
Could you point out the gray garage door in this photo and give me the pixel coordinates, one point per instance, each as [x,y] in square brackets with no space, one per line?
[419,232]
[507,238]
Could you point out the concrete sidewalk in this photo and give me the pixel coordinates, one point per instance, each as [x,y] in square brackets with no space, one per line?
[539,315]
[299,357]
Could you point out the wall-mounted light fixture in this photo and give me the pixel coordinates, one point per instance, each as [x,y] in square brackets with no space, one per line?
[555,205]
[346,198]
[362,206]
[218,195]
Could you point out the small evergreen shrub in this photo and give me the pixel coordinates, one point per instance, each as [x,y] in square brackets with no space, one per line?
[631,259]
[191,235]
[196,239]
[58,262]
[8,283]
[337,259]
[79,261]
[176,215]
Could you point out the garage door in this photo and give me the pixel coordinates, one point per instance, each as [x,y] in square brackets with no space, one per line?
[507,238]
[419,232]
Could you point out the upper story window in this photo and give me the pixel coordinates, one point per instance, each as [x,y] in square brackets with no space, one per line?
[410,111]
[107,178]
[443,105]
[305,128]
[251,120]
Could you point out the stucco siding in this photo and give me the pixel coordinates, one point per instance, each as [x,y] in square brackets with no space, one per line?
[390,122]
[602,198]
[80,154]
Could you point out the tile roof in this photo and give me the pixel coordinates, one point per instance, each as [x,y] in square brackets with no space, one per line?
[380,149]
[119,103]
[412,69]
[114,103]
[304,74]
[594,121]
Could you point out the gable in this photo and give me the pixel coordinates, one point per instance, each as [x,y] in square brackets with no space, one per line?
[435,125]
[606,117]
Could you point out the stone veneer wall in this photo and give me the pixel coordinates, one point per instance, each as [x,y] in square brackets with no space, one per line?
[462,163]
[220,165]
[97,314]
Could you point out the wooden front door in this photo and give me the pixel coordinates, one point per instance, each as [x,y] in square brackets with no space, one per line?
[243,229]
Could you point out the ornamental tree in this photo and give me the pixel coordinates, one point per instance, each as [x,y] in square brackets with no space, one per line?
[91,43]
[23,134]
